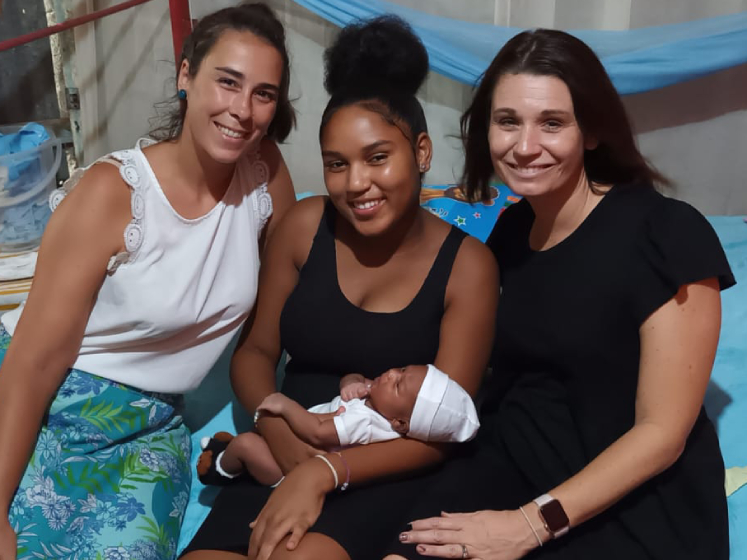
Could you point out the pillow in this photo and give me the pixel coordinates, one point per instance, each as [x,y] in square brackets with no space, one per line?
[477,219]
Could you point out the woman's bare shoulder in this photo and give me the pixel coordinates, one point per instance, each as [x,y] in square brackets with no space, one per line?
[100,193]
[475,268]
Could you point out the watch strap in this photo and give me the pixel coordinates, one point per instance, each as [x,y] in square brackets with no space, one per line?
[543,499]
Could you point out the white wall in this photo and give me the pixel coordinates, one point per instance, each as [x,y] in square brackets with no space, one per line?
[694,132]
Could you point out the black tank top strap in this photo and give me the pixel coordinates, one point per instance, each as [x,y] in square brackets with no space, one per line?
[321,259]
[434,287]
[327,225]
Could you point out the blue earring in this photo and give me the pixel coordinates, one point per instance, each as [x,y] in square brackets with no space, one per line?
[182,94]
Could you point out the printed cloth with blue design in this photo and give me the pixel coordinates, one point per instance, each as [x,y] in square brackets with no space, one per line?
[477,219]
[109,478]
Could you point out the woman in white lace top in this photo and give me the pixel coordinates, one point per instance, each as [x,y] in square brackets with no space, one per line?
[147,269]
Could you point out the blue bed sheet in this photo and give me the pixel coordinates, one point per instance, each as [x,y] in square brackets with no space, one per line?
[726,400]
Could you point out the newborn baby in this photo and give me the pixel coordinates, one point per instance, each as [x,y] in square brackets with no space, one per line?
[420,402]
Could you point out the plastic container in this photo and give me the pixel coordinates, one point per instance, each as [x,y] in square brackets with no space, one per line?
[26,179]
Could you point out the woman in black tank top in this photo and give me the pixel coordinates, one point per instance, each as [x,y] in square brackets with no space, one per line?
[359,282]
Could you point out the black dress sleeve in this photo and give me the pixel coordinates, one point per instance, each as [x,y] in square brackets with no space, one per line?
[675,246]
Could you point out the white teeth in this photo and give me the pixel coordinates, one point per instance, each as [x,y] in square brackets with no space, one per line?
[366,205]
[530,170]
[230,133]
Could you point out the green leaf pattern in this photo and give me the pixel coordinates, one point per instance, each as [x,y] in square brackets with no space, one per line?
[109,477]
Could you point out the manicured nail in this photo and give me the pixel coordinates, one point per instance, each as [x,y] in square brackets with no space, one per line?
[403,537]
[421,549]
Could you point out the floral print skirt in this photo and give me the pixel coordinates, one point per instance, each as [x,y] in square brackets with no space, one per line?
[109,478]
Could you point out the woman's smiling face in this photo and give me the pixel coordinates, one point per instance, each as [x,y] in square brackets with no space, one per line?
[536,144]
[231,101]
[371,170]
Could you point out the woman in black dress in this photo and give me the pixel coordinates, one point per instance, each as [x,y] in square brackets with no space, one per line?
[358,282]
[606,333]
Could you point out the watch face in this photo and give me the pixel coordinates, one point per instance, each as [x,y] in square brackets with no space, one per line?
[554,516]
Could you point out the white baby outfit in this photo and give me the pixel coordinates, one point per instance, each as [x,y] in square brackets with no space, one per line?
[170,304]
[359,424]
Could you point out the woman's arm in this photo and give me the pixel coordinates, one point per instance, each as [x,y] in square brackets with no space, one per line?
[256,356]
[82,234]
[466,338]
[678,346]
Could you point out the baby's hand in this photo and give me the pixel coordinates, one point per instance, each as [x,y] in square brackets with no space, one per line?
[357,390]
[273,403]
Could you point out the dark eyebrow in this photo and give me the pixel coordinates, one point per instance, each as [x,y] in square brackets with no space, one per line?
[545,113]
[370,148]
[230,72]
[556,113]
[376,145]
[239,76]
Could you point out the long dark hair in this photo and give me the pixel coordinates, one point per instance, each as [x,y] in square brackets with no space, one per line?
[379,64]
[259,20]
[597,106]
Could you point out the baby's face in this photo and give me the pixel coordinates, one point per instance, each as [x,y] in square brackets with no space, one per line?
[394,392]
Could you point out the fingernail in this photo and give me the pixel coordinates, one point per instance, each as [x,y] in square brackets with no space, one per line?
[403,537]
[421,549]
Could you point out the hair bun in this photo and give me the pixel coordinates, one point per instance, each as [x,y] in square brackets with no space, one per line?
[378,54]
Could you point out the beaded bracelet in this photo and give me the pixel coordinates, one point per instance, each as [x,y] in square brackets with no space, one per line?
[347,472]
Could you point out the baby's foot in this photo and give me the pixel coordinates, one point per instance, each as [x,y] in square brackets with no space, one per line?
[208,469]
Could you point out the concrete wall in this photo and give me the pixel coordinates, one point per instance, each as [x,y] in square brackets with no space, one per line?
[124,66]
[27,89]
[694,132]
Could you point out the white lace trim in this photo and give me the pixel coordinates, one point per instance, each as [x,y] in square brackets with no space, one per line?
[129,170]
[131,174]
[261,199]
